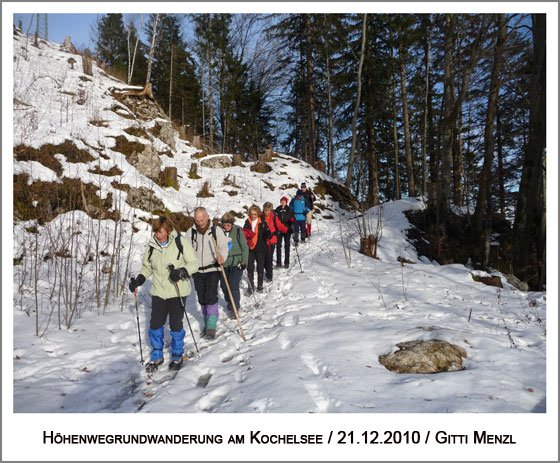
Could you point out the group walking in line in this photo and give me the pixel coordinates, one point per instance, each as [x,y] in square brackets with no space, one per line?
[215,255]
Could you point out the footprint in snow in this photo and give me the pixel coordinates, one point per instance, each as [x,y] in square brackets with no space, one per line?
[316,367]
[290,320]
[322,402]
[212,399]
[262,405]
[227,356]
[286,342]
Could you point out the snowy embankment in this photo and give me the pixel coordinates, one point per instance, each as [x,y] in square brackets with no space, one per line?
[313,337]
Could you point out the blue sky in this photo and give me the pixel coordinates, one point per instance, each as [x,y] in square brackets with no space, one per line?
[77,26]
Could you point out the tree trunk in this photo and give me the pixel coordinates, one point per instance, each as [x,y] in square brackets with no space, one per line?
[528,262]
[444,195]
[501,175]
[152,48]
[483,212]
[395,134]
[425,118]
[131,66]
[373,174]
[407,143]
[170,81]
[355,118]
[310,90]
[452,104]
[210,105]
[330,146]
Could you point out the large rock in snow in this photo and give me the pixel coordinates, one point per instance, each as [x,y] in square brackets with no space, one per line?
[424,357]
[217,162]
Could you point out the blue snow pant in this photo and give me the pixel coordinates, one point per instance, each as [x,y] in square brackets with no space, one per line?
[161,308]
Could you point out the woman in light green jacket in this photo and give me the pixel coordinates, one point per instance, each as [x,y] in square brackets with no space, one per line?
[171,260]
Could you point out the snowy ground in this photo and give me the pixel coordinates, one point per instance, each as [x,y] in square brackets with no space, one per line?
[312,344]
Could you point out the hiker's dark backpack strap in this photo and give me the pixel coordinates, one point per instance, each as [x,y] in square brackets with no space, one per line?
[179,245]
[150,252]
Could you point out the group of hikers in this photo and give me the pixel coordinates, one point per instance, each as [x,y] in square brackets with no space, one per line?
[215,255]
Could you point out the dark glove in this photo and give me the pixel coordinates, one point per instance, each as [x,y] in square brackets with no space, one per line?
[136,282]
[292,219]
[178,274]
[242,265]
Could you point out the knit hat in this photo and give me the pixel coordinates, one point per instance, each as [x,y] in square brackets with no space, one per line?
[299,193]
[283,198]
[303,185]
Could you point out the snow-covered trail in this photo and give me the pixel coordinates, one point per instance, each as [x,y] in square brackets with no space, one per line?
[313,342]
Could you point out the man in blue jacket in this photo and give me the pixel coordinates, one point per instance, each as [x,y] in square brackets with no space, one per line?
[300,209]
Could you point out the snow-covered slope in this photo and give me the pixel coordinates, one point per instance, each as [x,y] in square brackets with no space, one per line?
[313,337]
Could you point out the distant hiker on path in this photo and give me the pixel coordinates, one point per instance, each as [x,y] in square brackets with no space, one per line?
[275,226]
[208,275]
[300,210]
[310,198]
[166,248]
[286,216]
[236,262]
[257,247]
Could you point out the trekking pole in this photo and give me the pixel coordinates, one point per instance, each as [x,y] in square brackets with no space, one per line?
[229,290]
[171,267]
[297,253]
[138,323]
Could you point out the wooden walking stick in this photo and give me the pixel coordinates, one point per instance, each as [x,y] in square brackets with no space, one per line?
[228,288]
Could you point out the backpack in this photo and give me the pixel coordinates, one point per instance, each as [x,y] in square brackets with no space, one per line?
[194,238]
[177,243]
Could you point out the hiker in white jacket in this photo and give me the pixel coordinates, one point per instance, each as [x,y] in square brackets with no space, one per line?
[204,238]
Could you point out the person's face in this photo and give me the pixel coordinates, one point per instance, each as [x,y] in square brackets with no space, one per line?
[283,202]
[201,218]
[162,235]
[304,189]
[253,215]
[228,227]
[266,212]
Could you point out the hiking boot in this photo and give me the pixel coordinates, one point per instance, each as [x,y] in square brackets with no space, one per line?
[231,314]
[296,242]
[176,364]
[268,280]
[286,265]
[278,265]
[260,289]
[249,292]
[210,334]
[153,366]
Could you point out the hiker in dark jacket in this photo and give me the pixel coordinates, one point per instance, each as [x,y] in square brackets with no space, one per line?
[286,216]
[310,198]
[166,248]
[236,262]
[203,234]
[275,226]
[300,211]
[257,247]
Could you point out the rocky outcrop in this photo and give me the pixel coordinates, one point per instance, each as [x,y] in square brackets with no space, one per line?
[143,198]
[424,357]
[166,133]
[217,162]
[147,162]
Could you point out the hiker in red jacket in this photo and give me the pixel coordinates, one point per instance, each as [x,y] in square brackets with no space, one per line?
[275,226]
[257,233]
